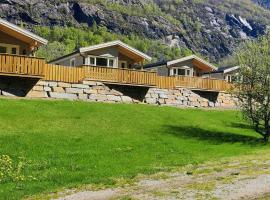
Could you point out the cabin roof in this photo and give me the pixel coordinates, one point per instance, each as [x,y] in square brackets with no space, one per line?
[20,33]
[124,48]
[200,63]
[225,70]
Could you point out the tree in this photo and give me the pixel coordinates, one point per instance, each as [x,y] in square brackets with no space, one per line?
[52,50]
[253,88]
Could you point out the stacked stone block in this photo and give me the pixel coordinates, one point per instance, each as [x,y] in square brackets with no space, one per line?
[87,90]
[96,91]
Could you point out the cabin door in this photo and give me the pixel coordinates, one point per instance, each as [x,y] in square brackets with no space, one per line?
[122,64]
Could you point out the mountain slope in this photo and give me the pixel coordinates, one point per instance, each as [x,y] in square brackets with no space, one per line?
[211,28]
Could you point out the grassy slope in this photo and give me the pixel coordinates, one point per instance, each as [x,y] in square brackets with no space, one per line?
[74,143]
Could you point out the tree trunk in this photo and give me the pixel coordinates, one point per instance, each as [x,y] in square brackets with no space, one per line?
[266,137]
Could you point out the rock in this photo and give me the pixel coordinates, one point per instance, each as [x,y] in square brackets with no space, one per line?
[114,98]
[126,99]
[90,83]
[151,100]
[74,90]
[82,86]
[37,94]
[38,88]
[47,89]
[52,84]
[98,97]
[90,91]
[57,95]
[83,96]
[63,85]
[58,89]
[43,83]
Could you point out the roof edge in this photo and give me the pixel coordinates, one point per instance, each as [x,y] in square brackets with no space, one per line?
[113,43]
[23,31]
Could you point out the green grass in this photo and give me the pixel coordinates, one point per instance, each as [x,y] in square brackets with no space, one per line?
[69,144]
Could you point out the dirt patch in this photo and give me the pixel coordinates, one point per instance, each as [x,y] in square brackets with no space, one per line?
[234,179]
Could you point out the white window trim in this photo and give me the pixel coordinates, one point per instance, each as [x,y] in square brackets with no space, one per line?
[9,48]
[191,71]
[87,60]
[72,60]
[108,62]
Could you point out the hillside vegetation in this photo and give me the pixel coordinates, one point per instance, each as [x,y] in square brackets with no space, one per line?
[210,28]
[56,144]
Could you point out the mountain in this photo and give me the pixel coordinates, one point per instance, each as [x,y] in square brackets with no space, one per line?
[263,3]
[211,28]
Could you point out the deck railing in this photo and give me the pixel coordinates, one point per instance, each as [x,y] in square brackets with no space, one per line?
[63,73]
[16,65]
[202,83]
[125,76]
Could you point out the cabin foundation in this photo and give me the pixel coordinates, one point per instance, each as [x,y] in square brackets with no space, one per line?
[100,92]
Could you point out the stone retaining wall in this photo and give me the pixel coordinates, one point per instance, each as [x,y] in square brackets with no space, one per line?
[96,91]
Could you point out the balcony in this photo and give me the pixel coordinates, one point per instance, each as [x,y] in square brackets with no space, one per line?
[21,66]
[132,78]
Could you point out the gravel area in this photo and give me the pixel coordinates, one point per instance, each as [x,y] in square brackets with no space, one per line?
[248,178]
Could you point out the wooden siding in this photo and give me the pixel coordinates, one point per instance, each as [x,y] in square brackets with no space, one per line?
[15,65]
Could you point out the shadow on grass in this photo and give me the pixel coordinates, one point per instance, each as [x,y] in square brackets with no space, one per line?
[212,136]
[241,125]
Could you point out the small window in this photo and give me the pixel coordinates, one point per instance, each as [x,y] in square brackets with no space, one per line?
[13,50]
[111,63]
[24,52]
[101,62]
[188,72]
[72,62]
[181,72]
[174,71]
[3,49]
[92,61]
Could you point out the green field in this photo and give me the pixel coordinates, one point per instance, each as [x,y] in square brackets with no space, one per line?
[69,144]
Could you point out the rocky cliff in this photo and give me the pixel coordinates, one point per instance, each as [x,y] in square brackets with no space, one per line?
[210,28]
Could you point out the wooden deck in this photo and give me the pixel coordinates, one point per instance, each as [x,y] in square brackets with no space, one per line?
[22,66]
[132,77]
[15,65]
[204,84]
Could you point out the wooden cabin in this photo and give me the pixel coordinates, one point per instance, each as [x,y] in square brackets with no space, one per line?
[230,74]
[191,66]
[115,54]
[17,51]
[18,41]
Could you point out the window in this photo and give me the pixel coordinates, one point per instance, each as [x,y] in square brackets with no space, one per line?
[229,78]
[110,62]
[101,62]
[188,72]
[182,72]
[9,48]
[3,49]
[72,62]
[13,50]
[92,61]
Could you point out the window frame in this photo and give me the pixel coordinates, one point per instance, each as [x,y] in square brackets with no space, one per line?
[9,48]
[72,60]
[187,71]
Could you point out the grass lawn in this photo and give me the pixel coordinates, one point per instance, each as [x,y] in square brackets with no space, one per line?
[68,144]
